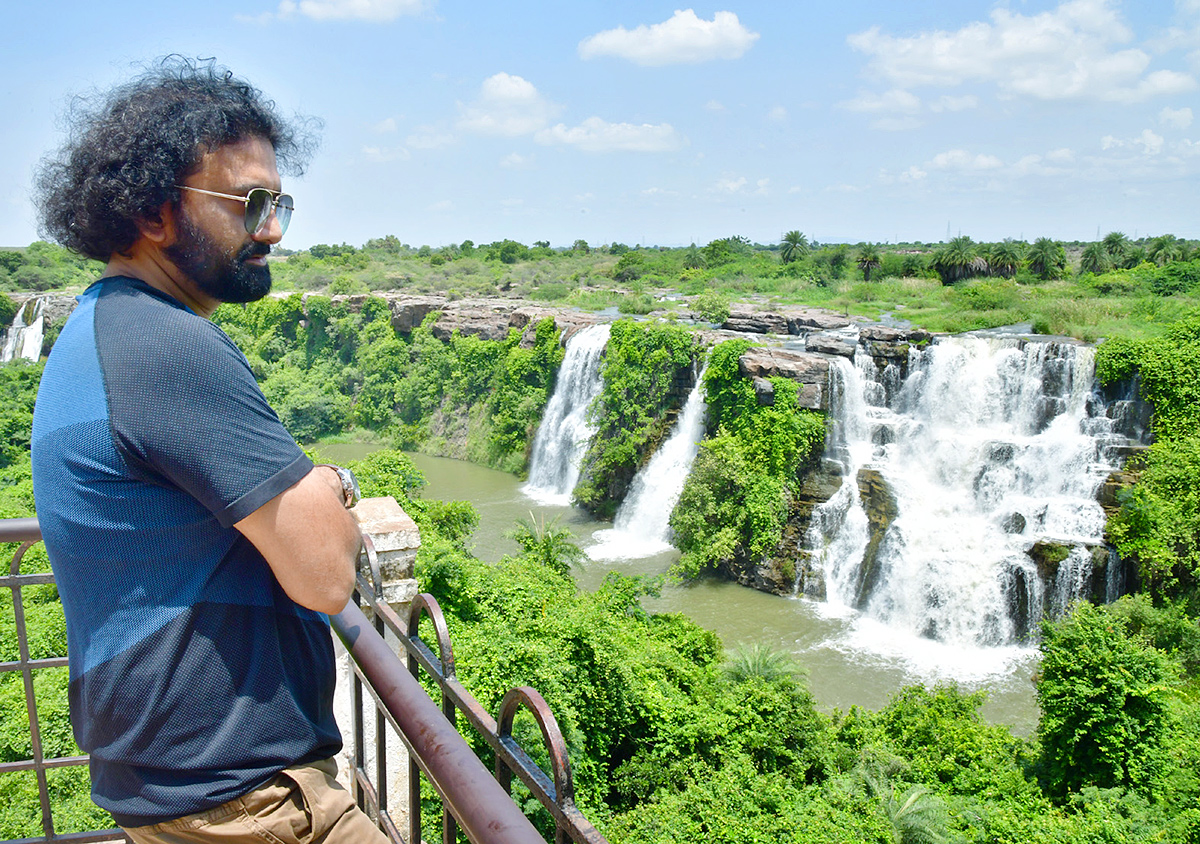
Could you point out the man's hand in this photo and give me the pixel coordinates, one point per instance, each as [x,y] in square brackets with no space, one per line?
[309,540]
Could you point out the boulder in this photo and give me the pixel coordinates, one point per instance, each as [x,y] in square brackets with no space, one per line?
[829,344]
[756,322]
[409,312]
[810,371]
[803,320]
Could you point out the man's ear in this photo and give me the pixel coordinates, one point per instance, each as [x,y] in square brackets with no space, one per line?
[159,228]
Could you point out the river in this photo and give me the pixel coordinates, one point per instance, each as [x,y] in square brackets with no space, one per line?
[849,659]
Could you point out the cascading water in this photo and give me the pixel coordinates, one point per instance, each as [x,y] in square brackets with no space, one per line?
[25,335]
[641,527]
[562,437]
[949,479]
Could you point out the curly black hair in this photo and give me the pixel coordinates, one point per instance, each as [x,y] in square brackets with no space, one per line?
[127,149]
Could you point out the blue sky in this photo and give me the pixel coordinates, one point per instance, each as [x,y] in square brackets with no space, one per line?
[659,123]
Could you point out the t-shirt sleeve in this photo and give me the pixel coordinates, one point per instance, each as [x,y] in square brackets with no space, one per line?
[185,410]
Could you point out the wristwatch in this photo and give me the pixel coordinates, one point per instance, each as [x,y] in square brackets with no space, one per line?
[350,493]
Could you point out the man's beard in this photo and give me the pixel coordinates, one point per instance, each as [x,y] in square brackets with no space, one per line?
[224,277]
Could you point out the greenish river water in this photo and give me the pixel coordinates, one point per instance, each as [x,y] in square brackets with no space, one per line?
[850,660]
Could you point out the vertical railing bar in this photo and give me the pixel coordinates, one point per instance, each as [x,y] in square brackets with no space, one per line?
[380,741]
[35,733]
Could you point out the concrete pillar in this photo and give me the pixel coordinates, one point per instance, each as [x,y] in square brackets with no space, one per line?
[396,540]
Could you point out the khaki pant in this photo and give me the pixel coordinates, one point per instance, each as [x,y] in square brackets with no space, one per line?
[301,805]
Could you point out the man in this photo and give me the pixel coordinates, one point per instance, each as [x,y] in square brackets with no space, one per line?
[197,549]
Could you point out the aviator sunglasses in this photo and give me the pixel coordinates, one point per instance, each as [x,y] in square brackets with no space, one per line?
[260,202]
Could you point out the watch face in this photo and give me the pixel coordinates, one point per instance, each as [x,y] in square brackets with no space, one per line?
[349,486]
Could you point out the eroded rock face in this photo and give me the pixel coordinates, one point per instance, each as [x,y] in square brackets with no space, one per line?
[793,321]
[809,371]
[830,344]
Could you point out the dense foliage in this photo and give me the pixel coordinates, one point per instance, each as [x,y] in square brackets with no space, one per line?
[735,500]
[1158,524]
[645,372]
[328,368]
[671,740]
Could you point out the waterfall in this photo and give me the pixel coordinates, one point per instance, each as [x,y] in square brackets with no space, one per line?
[641,527]
[562,437]
[24,337]
[988,448]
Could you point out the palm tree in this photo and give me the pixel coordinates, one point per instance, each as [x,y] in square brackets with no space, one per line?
[1095,259]
[1005,257]
[759,660]
[1119,249]
[915,815]
[868,259]
[957,260]
[1166,248]
[548,544]
[794,246]
[1047,259]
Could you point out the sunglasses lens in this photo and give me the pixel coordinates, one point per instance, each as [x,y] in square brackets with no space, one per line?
[258,209]
[283,211]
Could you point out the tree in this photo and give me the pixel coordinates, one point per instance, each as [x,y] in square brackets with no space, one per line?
[1166,248]
[1005,257]
[548,544]
[1104,702]
[1047,259]
[581,247]
[794,246]
[1095,259]
[1120,250]
[868,260]
[957,260]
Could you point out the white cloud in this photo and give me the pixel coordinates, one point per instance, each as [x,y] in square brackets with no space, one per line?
[1149,142]
[376,11]
[683,39]
[714,105]
[384,126]
[948,103]
[763,187]
[506,105]
[442,206]
[1177,118]
[729,184]
[1071,52]
[893,101]
[516,161]
[913,174]
[1062,155]
[777,114]
[958,159]
[429,137]
[382,155]
[597,135]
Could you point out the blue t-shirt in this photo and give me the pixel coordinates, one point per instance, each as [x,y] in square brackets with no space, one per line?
[194,677]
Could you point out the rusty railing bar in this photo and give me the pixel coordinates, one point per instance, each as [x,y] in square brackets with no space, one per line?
[29,764]
[28,532]
[47,662]
[486,813]
[20,530]
[35,732]
[32,579]
[561,807]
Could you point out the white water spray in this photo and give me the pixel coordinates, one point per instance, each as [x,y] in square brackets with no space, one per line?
[984,449]
[24,337]
[641,527]
[562,437]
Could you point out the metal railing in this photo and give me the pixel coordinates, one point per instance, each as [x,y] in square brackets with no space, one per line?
[473,799]
[27,533]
